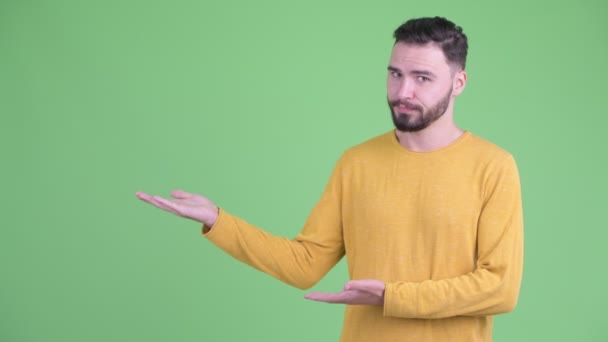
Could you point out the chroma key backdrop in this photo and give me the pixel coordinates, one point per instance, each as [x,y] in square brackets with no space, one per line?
[251,103]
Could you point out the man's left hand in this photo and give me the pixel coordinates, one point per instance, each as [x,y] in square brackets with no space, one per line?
[356,292]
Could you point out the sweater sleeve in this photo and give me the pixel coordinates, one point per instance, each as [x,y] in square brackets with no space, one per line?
[300,262]
[493,287]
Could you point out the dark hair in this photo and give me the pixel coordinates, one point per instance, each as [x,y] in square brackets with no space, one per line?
[444,33]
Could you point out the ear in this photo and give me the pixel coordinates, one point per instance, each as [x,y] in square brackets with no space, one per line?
[459,82]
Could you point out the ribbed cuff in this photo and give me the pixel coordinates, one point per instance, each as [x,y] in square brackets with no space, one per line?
[209,231]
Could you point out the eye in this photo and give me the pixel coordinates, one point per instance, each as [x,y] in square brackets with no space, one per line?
[395,74]
[423,79]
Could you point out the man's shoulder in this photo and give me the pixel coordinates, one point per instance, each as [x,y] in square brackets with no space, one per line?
[369,150]
[485,148]
[373,145]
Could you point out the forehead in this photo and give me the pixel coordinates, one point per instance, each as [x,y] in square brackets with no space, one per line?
[412,56]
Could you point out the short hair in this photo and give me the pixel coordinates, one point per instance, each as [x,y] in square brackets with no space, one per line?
[438,30]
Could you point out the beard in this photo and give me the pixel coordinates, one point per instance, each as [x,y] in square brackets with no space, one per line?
[412,122]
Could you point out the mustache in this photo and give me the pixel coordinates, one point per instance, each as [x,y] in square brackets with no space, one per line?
[405,104]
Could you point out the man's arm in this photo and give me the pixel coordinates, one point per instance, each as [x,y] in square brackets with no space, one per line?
[493,287]
[300,262]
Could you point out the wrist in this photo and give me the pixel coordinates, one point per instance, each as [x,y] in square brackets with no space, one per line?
[210,222]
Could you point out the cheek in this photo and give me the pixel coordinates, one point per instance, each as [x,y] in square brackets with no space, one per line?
[392,88]
[431,94]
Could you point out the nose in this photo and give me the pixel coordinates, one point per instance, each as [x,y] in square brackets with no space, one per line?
[406,89]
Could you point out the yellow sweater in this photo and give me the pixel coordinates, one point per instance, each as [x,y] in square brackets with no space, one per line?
[442,229]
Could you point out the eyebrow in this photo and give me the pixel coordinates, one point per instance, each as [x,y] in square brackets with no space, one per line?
[423,73]
[414,72]
[392,68]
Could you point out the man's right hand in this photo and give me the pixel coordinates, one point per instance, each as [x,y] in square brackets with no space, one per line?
[184,204]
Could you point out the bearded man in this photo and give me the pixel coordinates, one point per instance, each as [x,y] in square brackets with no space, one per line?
[428,215]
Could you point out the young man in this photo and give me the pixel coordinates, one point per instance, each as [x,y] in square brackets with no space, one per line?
[429,216]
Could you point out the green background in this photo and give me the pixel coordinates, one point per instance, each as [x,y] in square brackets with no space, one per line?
[251,103]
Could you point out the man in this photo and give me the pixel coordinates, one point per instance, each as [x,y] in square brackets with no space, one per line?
[429,216]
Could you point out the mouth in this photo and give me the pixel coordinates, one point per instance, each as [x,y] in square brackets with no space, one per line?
[405,109]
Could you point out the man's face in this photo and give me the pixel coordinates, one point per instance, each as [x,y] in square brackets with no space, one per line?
[419,86]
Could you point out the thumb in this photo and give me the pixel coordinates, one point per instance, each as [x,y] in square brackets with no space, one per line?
[181,194]
[372,286]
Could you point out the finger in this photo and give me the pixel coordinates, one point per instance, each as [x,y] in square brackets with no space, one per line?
[160,203]
[354,285]
[167,205]
[325,297]
[344,297]
[181,194]
[151,199]
[374,287]
[142,195]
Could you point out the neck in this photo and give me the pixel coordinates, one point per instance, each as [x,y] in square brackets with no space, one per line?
[440,133]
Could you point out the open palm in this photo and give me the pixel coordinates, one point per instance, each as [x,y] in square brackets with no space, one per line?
[184,204]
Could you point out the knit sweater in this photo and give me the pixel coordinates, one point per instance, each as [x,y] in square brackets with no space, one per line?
[442,229]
